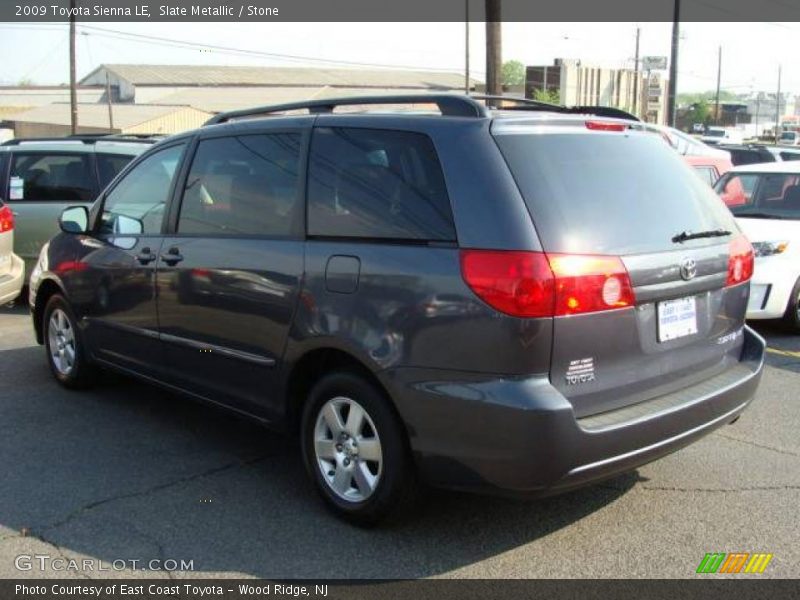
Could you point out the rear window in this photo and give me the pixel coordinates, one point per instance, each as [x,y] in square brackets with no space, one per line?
[610,193]
[377,184]
[749,157]
[51,177]
[770,195]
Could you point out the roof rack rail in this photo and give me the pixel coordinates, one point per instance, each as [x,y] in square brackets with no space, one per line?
[529,104]
[87,138]
[451,105]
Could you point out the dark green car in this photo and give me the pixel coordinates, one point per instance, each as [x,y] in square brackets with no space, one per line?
[40,177]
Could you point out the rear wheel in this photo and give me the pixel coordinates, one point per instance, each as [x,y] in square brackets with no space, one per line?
[65,353]
[355,450]
[792,317]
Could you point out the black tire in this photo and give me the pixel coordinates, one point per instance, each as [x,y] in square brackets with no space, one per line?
[79,374]
[396,490]
[791,319]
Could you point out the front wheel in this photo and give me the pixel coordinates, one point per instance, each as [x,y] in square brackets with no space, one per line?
[355,450]
[65,353]
[792,317]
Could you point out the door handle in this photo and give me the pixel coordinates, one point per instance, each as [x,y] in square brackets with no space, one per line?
[172,257]
[145,256]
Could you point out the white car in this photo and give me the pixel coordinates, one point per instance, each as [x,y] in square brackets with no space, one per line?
[12,269]
[765,198]
[721,135]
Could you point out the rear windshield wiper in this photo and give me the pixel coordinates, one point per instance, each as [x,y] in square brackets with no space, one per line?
[685,236]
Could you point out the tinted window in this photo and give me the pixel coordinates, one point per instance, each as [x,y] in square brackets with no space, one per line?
[610,193]
[136,204]
[749,157]
[768,195]
[61,177]
[109,166]
[246,185]
[369,183]
[788,156]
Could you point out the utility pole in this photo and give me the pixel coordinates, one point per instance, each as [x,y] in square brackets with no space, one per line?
[466,47]
[108,100]
[635,103]
[778,107]
[494,45]
[73,94]
[673,65]
[719,79]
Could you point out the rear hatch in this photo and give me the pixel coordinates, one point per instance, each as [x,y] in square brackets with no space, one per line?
[606,190]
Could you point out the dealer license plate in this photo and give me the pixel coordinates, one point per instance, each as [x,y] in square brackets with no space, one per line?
[677,318]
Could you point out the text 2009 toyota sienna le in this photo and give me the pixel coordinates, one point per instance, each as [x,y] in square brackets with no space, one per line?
[514,301]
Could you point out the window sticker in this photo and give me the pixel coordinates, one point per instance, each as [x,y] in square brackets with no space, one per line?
[16,189]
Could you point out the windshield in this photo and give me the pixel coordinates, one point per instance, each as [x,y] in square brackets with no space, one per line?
[788,135]
[610,193]
[761,195]
[715,133]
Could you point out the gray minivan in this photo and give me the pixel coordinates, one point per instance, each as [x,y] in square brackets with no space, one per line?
[520,300]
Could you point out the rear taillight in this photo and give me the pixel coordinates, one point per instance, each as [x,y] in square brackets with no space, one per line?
[6,219]
[741,260]
[590,283]
[533,284]
[516,283]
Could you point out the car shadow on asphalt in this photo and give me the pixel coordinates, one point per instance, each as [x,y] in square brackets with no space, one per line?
[126,471]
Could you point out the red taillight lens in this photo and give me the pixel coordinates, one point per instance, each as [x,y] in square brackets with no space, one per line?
[69,266]
[740,261]
[533,284]
[605,126]
[516,283]
[6,219]
[590,283]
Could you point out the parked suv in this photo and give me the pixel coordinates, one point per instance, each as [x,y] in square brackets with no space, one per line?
[515,301]
[39,177]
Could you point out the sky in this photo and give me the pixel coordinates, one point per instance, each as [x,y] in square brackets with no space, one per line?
[752,52]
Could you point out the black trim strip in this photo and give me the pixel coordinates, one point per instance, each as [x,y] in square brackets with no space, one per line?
[256,359]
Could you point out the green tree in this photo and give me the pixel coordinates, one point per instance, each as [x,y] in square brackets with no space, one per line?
[513,73]
[551,96]
[700,113]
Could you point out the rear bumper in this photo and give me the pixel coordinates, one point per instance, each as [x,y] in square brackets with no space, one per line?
[520,436]
[11,282]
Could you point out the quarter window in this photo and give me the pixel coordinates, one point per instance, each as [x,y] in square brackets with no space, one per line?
[243,185]
[109,166]
[56,177]
[136,204]
[377,184]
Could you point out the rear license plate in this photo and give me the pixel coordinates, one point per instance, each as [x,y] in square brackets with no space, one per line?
[677,318]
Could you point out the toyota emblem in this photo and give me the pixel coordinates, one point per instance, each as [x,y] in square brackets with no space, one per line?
[688,268]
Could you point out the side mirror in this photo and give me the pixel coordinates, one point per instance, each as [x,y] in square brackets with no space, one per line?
[124,225]
[74,219]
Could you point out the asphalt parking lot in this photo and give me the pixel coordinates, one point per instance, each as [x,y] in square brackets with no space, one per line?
[129,472]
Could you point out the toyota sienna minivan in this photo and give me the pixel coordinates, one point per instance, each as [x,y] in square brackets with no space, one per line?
[520,300]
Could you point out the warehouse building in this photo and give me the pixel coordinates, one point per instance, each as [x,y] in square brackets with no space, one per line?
[55,119]
[220,88]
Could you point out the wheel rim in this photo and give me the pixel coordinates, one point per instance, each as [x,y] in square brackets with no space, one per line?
[797,308]
[61,338]
[348,449]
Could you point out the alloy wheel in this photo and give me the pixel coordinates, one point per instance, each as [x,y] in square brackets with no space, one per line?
[348,449]
[61,338]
